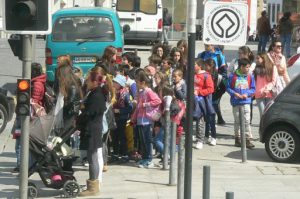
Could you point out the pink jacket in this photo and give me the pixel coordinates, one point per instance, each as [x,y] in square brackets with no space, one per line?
[145,98]
[262,85]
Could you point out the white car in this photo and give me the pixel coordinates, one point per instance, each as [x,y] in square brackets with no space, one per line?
[294,65]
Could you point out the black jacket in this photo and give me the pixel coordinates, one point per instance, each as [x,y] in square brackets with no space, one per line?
[90,120]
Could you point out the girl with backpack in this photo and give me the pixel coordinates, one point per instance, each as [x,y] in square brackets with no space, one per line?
[146,113]
[203,87]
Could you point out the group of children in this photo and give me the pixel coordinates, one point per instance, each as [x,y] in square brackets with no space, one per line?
[135,99]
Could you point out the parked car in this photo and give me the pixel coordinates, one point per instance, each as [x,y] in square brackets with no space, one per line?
[82,33]
[294,64]
[7,109]
[280,124]
[143,17]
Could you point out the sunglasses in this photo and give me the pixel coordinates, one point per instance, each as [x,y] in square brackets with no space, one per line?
[278,46]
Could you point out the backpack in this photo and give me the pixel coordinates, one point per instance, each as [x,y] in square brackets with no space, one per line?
[49,99]
[234,78]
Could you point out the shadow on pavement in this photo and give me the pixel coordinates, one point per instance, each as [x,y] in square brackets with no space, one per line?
[146,182]
[8,154]
[254,154]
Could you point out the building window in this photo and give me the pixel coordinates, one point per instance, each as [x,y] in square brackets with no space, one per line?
[273,13]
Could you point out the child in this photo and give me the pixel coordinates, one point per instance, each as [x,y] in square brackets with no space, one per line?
[204,87]
[167,68]
[210,125]
[241,87]
[122,109]
[179,85]
[147,102]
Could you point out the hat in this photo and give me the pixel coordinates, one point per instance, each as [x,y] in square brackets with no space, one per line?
[120,79]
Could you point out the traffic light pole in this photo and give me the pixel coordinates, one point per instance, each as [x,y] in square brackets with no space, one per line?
[25,120]
[191,10]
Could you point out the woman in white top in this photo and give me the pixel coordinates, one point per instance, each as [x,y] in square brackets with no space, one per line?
[275,54]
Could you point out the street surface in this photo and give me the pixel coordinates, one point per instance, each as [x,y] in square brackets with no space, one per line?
[259,178]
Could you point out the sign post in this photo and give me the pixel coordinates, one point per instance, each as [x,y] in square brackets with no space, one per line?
[225,23]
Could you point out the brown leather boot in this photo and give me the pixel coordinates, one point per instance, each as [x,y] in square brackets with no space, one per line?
[237,142]
[92,188]
[105,168]
[249,145]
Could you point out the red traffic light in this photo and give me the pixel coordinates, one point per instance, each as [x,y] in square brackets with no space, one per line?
[23,85]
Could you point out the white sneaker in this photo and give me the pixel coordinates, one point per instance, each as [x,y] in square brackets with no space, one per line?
[194,138]
[213,142]
[207,140]
[199,145]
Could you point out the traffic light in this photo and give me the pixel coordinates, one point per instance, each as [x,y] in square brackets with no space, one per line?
[27,16]
[23,97]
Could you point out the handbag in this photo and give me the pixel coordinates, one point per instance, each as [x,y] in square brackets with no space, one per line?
[153,113]
[37,110]
[278,87]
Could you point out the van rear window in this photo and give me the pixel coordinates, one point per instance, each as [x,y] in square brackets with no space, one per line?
[145,6]
[83,28]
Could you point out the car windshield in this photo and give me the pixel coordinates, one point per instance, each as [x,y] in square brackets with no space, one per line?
[83,28]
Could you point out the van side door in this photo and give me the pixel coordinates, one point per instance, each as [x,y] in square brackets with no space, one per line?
[148,17]
[127,14]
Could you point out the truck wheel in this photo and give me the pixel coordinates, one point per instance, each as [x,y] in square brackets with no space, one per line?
[3,118]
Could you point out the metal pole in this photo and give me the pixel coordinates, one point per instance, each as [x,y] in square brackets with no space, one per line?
[173,5]
[192,7]
[180,175]
[206,182]
[172,171]
[243,137]
[229,195]
[23,180]
[166,141]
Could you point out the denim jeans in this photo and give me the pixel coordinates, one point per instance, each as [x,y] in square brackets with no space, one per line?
[210,125]
[286,44]
[262,43]
[119,138]
[159,141]
[145,136]
[18,150]
[261,104]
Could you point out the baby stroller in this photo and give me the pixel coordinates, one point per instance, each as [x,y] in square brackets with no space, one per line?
[52,157]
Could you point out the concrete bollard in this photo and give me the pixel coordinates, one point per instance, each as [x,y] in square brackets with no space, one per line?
[206,182]
[229,195]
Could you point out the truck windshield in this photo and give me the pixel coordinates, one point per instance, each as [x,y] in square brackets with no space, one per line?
[81,28]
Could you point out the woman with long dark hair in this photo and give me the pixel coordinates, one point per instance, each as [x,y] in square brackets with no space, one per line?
[90,124]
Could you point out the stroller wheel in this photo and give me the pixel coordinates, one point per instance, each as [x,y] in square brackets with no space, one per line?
[71,189]
[32,191]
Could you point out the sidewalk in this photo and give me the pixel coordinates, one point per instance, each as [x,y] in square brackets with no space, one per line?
[259,178]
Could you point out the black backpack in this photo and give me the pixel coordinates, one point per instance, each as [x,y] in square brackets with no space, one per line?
[49,99]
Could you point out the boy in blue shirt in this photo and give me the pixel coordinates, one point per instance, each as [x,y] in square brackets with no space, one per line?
[241,87]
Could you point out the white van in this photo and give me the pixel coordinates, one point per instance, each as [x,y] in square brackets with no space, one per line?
[144,18]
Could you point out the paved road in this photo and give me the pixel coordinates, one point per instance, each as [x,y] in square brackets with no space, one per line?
[259,178]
